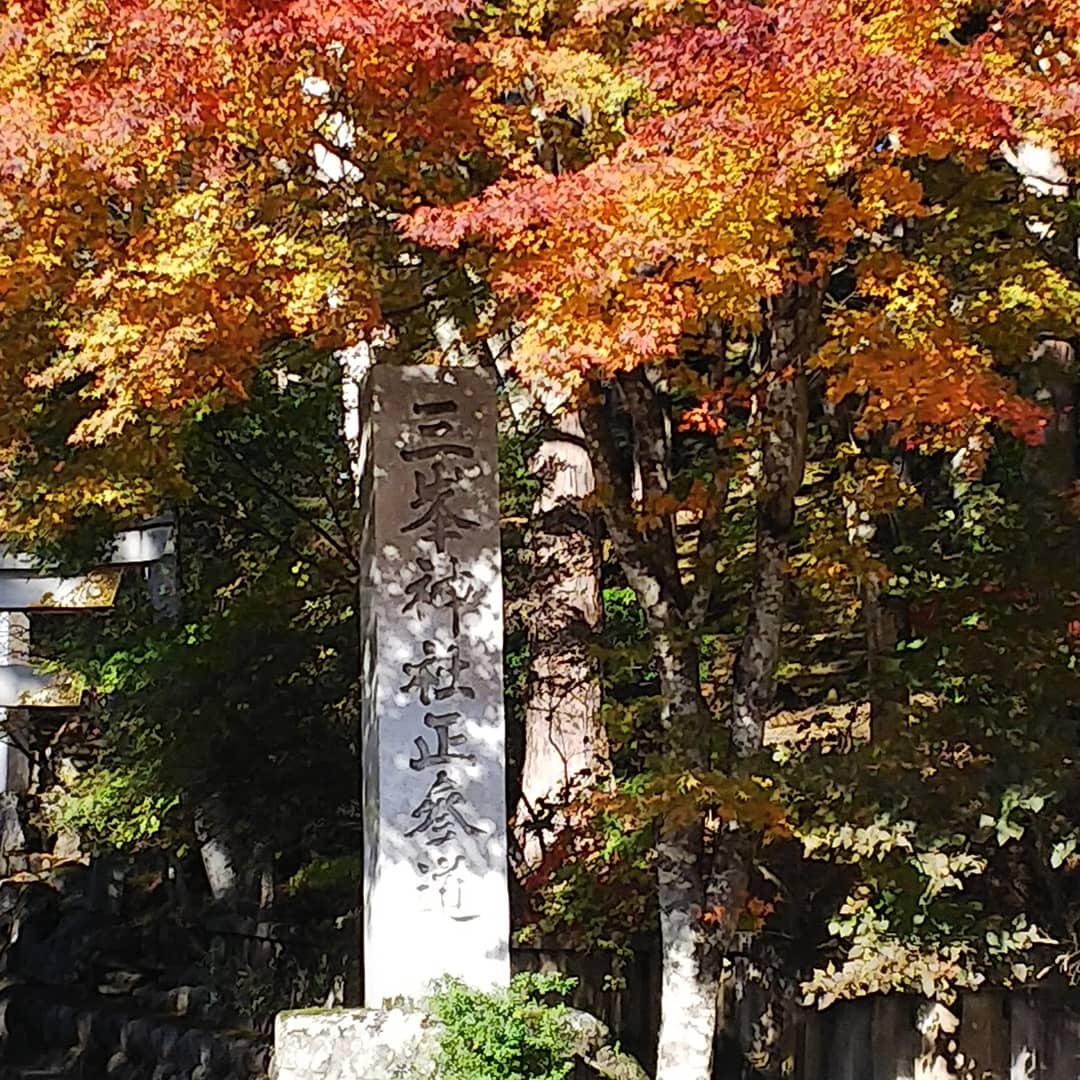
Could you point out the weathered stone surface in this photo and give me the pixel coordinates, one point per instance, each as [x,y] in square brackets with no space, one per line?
[593,1045]
[11,832]
[436,900]
[15,767]
[355,1044]
[403,1044]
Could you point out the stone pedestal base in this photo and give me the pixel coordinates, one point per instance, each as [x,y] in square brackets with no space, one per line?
[403,1044]
[355,1044]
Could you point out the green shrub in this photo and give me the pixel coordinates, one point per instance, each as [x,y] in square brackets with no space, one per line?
[516,1034]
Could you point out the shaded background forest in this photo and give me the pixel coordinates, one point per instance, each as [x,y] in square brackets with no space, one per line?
[937,860]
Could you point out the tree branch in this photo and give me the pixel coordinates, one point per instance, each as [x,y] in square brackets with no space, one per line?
[269,489]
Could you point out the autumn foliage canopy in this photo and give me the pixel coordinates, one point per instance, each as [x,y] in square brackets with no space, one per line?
[639,172]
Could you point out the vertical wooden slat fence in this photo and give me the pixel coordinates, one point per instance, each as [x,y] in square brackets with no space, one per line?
[1032,1035]
[1020,1036]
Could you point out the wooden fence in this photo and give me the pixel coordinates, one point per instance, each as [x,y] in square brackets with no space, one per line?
[981,1036]
[989,1035]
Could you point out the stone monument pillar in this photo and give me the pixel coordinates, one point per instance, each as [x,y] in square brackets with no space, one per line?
[436,900]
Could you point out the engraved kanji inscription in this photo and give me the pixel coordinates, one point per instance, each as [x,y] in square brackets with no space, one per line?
[438,492]
[443,813]
[434,408]
[452,589]
[436,676]
[445,740]
[432,703]
[441,428]
[445,881]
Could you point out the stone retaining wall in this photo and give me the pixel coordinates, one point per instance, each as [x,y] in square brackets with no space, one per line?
[106,1038]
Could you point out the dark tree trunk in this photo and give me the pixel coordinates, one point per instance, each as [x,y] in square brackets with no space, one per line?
[881,625]
[786,343]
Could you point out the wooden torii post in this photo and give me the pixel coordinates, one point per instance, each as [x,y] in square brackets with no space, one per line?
[25,589]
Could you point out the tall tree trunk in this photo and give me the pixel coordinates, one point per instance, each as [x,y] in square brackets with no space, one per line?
[355,363]
[211,818]
[690,964]
[691,958]
[685,891]
[690,979]
[882,620]
[881,626]
[786,343]
[565,741]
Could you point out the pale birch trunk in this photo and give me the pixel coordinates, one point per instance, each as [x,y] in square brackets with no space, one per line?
[355,363]
[685,890]
[690,965]
[565,742]
[691,958]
